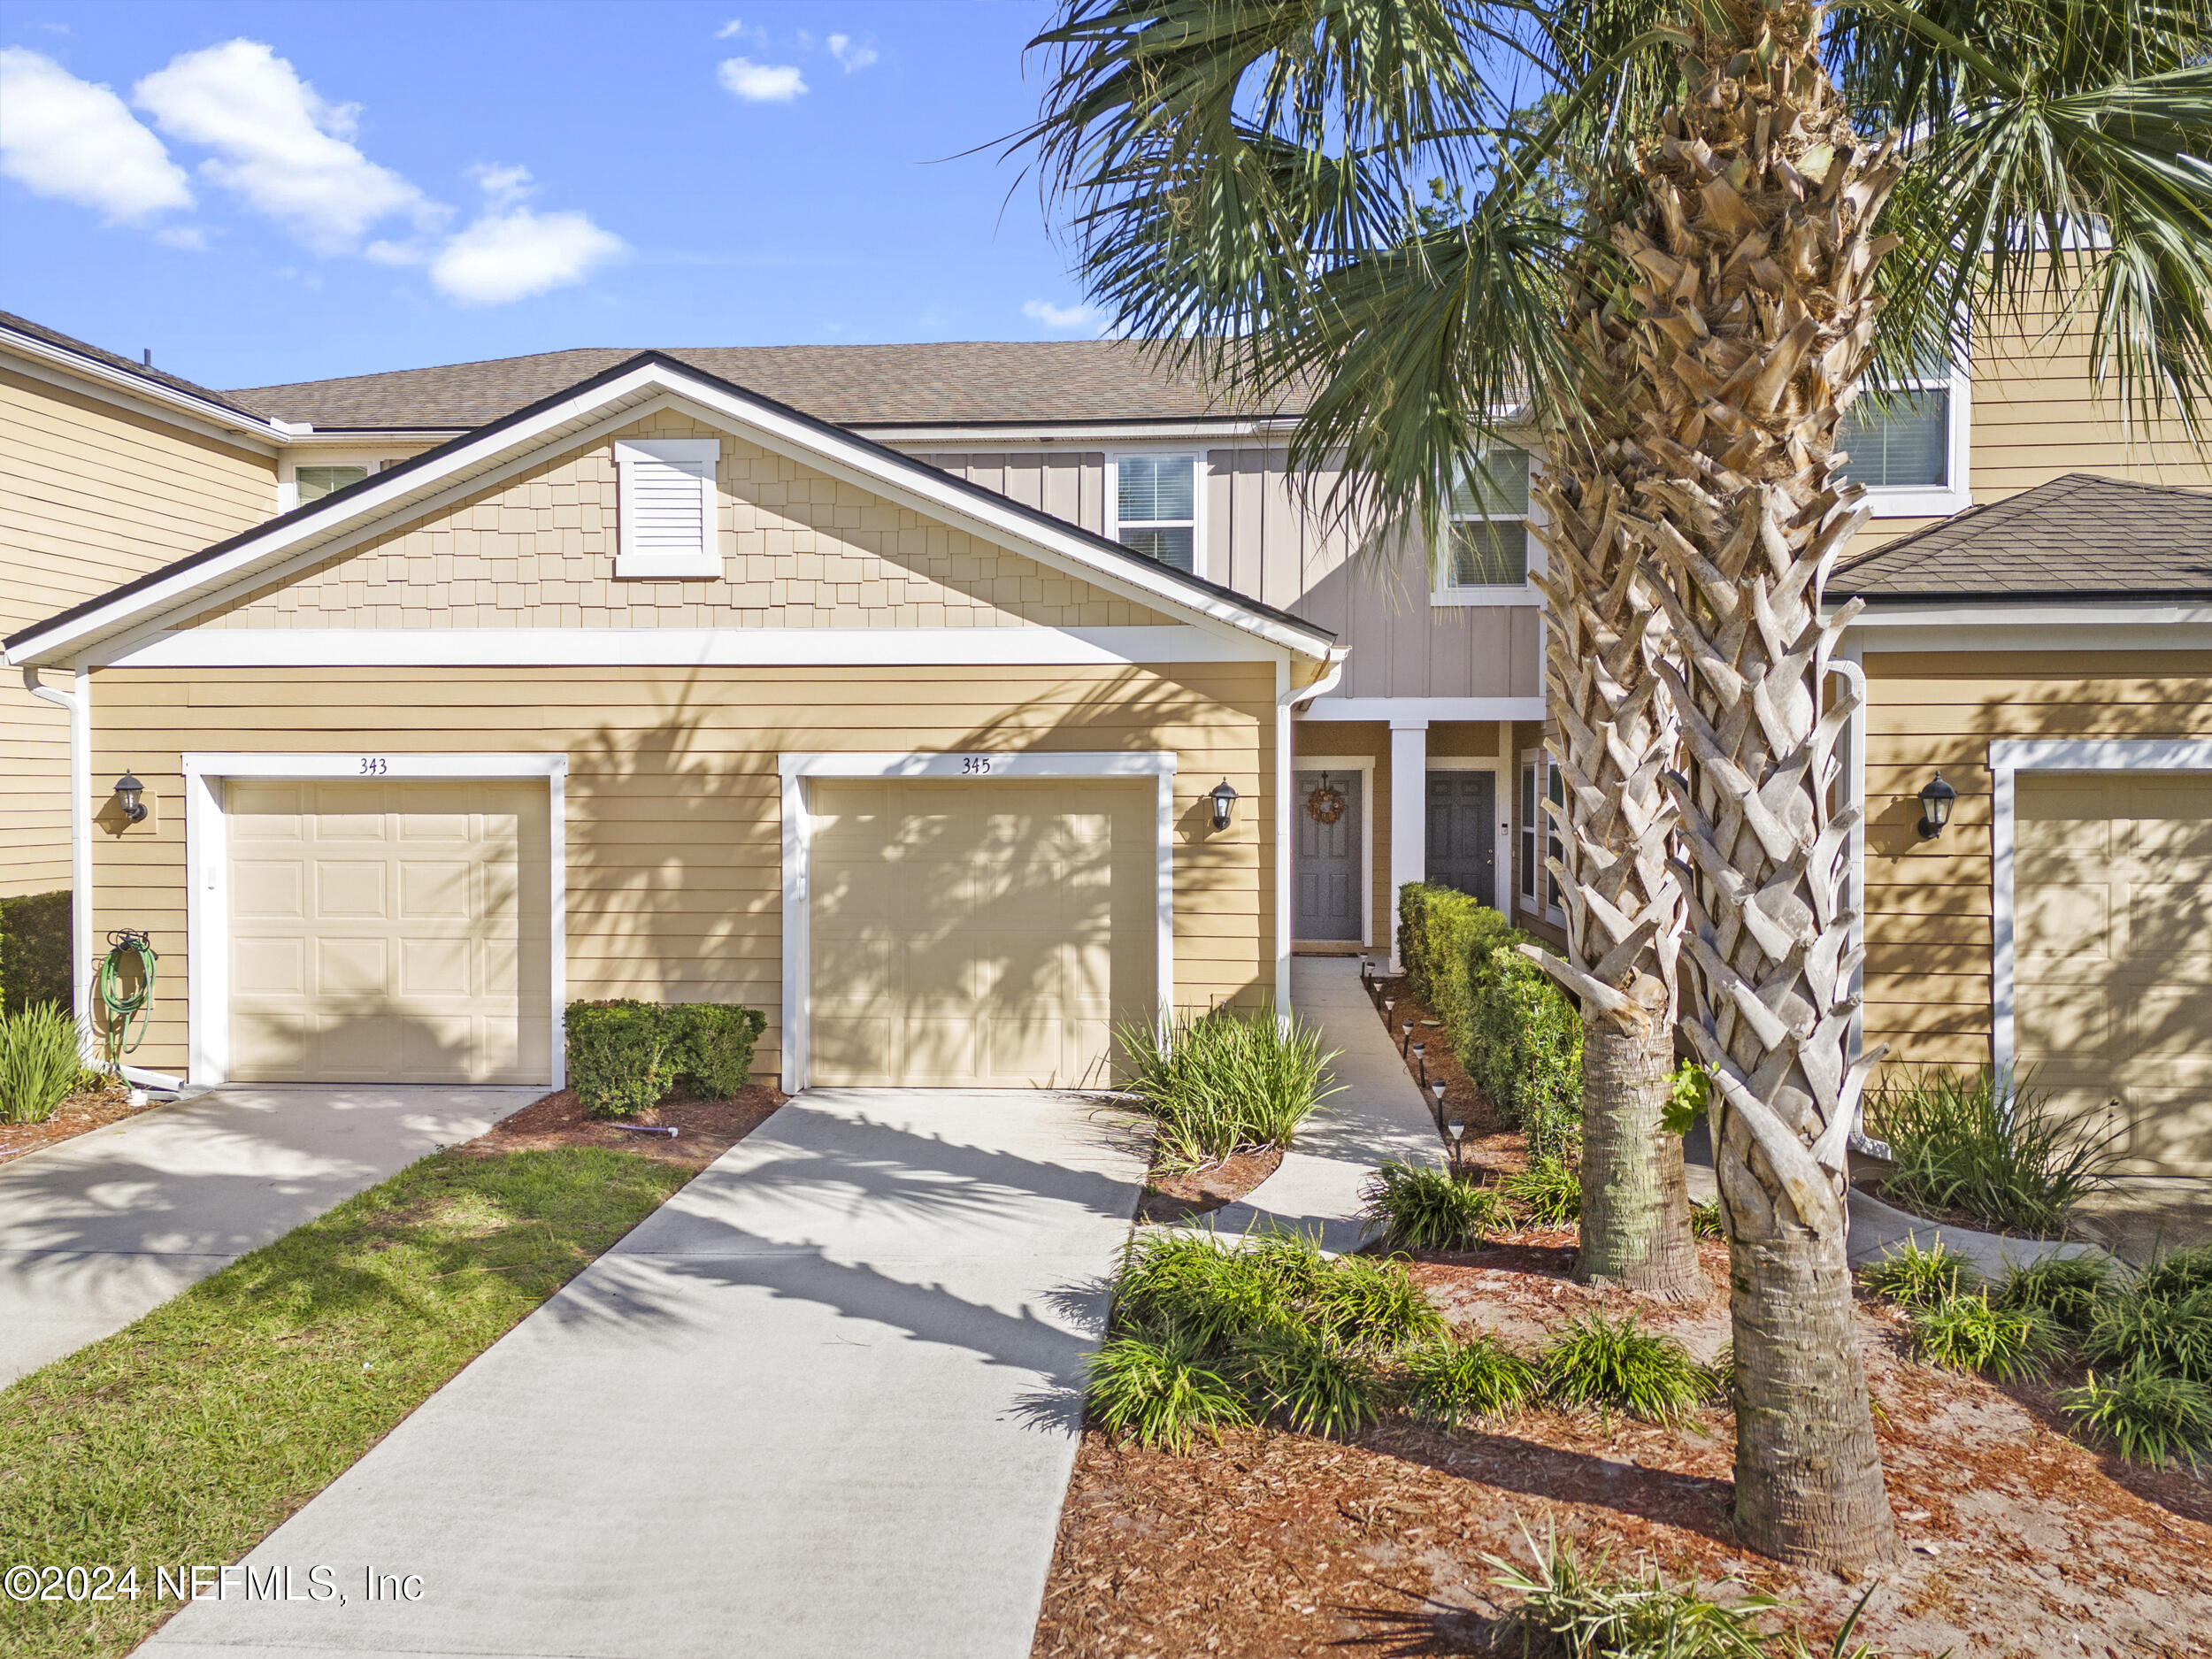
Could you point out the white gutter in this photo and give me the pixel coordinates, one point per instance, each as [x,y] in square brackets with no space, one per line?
[140,386]
[79,702]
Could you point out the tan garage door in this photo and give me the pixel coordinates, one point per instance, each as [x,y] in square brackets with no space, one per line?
[389,932]
[978,934]
[2113,954]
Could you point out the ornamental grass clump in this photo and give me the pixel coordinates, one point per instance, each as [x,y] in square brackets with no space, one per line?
[1548,1192]
[1970,1332]
[1160,1391]
[1452,1382]
[1317,1384]
[1915,1278]
[40,1062]
[2149,1415]
[2070,1288]
[1422,1208]
[1616,1366]
[1988,1145]
[1224,1082]
[2169,1333]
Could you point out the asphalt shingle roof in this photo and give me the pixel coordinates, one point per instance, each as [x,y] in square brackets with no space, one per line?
[2074,537]
[68,342]
[961,383]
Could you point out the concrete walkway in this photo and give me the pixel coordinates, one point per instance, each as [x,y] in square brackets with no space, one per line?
[825,1403]
[1381,1114]
[97,1231]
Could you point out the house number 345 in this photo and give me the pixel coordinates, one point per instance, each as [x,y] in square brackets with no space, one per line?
[975,765]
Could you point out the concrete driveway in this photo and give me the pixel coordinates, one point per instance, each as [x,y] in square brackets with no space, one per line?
[97,1231]
[822,1403]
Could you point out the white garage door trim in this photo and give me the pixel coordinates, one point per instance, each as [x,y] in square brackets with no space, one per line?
[207,864]
[2007,758]
[795,769]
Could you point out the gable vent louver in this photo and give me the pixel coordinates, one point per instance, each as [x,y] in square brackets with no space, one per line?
[668,517]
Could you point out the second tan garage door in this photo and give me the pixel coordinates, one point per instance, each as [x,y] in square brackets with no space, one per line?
[2113,956]
[389,932]
[978,934]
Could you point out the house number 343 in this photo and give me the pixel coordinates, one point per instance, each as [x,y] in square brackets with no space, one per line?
[373,766]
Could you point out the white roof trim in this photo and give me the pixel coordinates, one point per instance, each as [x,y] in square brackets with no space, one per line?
[322,532]
[108,378]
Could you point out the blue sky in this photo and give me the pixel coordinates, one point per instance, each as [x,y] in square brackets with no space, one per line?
[279,192]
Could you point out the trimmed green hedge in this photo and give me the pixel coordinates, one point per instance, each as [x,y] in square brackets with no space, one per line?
[1516,1031]
[34,951]
[625,1055]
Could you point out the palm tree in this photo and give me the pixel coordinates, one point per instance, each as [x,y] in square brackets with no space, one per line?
[1657,235]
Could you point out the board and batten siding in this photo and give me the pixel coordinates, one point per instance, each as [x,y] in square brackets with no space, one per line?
[799,549]
[673,824]
[1928,991]
[92,494]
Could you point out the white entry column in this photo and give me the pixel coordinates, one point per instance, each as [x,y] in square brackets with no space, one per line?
[1409,814]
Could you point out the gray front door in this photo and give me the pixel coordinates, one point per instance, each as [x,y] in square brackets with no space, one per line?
[1328,856]
[1463,834]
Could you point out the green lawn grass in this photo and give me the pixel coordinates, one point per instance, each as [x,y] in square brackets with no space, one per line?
[188,1437]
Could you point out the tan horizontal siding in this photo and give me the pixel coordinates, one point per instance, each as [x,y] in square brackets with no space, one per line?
[1928,902]
[674,814]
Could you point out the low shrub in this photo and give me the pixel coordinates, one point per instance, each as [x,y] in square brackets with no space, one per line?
[1915,1278]
[1172,1280]
[1990,1145]
[2066,1288]
[2150,1417]
[1452,1382]
[1159,1391]
[2177,1274]
[1423,1208]
[1318,1385]
[624,1056]
[1517,1033]
[1970,1332]
[1372,1305]
[34,951]
[1226,1081]
[40,1062]
[1615,1364]
[1548,1192]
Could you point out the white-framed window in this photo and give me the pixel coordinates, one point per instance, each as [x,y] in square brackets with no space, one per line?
[315,482]
[1907,442]
[1492,550]
[1539,835]
[668,517]
[1152,504]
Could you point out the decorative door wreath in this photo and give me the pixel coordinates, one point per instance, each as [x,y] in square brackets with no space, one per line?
[1326,803]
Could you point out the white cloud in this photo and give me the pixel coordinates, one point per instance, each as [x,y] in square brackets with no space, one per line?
[853,56]
[191,238]
[502,186]
[63,137]
[761,83]
[279,143]
[511,256]
[735,30]
[1084,316]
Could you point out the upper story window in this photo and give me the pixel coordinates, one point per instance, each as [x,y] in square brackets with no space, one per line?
[1906,442]
[315,482]
[1155,507]
[1490,522]
[668,518]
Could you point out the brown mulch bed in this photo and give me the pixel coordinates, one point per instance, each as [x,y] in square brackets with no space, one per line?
[705,1129]
[2015,1540]
[1490,1150]
[1170,1196]
[78,1115]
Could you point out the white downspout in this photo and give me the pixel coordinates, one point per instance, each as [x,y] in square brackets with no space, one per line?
[1287,698]
[1854,676]
[79,702]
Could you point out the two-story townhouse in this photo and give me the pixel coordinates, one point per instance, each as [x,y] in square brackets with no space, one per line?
[1409,698]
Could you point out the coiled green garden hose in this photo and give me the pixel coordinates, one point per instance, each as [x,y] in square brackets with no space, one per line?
[126,947]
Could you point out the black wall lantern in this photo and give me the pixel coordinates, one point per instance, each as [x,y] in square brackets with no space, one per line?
[1225,800]
[127,790]
[1935,807]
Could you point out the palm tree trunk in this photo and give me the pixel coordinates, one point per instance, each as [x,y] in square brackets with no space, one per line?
[1752,309]
[1611,731]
